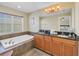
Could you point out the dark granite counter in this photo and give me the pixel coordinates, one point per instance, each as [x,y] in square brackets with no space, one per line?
[55,35]
[32,33]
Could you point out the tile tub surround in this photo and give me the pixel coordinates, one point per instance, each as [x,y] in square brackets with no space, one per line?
[12,35]
[22,49]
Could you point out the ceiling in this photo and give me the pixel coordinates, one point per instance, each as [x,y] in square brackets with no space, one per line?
[27,6]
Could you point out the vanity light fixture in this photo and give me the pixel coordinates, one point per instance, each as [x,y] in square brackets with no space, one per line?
[46,10]
[49,9]
[58,7]
[52,9]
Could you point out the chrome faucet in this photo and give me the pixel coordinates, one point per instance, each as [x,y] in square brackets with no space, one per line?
[10,41]
[62,33]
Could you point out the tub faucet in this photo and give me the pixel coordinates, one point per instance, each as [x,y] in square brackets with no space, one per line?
[10,41]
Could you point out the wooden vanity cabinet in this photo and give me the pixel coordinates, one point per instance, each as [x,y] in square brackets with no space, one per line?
[70,48]
[63,47]
[42,42]
[47,44]
[55,45]
[39,41]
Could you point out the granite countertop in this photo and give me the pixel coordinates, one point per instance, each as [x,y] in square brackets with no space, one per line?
[55,35]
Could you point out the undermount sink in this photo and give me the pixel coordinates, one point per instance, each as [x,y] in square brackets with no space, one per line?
[41,32]
[63,36]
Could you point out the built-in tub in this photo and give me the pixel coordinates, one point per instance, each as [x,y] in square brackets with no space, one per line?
[15,40]
[10,43]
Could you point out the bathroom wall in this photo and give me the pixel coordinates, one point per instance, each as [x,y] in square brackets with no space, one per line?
[34,22]
[77,18]
[15,12]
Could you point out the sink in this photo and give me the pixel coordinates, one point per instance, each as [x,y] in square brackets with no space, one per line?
[63,36]
[41,32]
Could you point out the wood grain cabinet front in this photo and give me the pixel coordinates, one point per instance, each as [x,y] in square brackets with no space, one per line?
[63,47]
[47,44]
[55,45]
[70,48]
[39,41]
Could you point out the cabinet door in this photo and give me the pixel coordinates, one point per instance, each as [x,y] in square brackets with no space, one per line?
[70,50]
[70,47]
[47,43]
[63,47]
[39,42]
[56,46]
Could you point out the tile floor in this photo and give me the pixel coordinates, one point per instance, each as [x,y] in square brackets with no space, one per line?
[36,52]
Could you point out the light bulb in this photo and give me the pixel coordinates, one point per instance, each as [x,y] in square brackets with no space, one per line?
[45,10]
[49,9]
[58,7]
[53,8]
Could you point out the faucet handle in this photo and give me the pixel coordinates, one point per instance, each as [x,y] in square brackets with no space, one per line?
[10,41]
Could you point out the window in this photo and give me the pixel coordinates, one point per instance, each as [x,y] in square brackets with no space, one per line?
[10,23]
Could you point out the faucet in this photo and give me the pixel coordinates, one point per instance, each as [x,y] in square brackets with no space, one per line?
[10,41]
[62,33]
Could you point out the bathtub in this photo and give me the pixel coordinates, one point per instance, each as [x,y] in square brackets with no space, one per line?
[7,43]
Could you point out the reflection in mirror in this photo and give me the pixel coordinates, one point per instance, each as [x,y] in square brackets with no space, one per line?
[57,21]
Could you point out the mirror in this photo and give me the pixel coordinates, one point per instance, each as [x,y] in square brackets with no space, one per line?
[62,20]
[58,21]
[65,23]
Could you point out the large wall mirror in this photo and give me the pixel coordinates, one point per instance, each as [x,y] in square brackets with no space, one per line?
[62,20]
[58,21]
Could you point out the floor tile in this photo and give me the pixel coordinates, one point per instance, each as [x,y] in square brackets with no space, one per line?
[36,52]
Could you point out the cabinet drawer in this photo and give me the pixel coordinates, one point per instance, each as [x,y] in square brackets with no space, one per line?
[69,42]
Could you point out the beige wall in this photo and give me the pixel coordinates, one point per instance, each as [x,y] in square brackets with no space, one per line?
[15,12]
[77,18]
[34,23]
